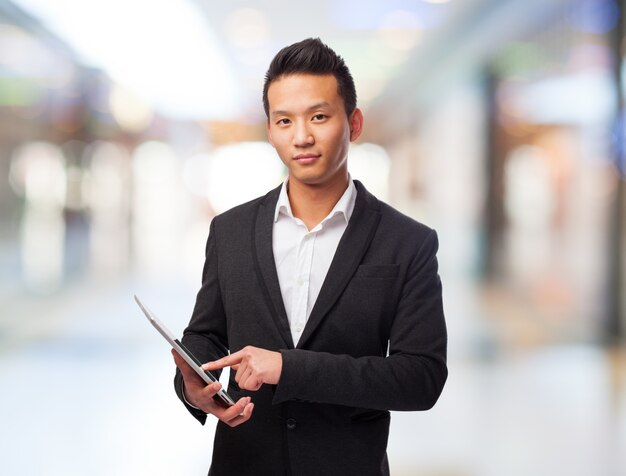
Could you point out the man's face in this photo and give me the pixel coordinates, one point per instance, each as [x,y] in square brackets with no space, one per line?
[309,128]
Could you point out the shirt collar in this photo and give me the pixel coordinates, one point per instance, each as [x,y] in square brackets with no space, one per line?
[344,206]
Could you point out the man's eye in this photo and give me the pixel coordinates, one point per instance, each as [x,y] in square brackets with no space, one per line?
[283,121]
[319,117]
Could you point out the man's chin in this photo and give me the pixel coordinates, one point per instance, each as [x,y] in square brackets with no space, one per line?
[307,179]
[314,180]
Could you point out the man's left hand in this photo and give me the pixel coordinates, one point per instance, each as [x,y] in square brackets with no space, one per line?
[254,367]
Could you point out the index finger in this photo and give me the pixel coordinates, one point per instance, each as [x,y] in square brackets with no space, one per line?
[228,361]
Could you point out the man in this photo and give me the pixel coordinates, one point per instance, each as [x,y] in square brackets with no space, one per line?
[328,300]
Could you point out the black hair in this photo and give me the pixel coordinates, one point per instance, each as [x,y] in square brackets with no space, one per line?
[313,57]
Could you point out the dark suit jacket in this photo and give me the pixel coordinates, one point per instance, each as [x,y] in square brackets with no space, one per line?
[375,341]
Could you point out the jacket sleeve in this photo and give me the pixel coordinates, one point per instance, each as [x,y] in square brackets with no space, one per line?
[413,374]
[206,335]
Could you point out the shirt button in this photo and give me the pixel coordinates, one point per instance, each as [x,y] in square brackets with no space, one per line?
[291,423]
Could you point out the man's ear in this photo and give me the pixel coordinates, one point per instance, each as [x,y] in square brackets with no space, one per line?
[356,124]
[269,133]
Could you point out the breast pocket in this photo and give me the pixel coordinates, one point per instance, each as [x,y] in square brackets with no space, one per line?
[377,271]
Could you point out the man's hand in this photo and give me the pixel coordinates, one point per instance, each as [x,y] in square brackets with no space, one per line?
[200,395]
[254,367]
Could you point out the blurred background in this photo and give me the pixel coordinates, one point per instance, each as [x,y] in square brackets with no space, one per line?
[126,126]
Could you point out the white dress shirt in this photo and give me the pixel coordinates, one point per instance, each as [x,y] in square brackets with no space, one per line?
[303,257]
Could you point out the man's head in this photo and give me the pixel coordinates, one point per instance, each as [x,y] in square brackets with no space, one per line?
[311,113]
[311,56]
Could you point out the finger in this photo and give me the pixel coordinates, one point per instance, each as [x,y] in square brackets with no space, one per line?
[200,394]
[204,395]
[244,417]
[227,361]
[211,390]
[232,412]
[250,382]
[244,377]
[242,369]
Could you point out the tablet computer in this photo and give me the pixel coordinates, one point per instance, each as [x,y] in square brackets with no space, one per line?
[221,397]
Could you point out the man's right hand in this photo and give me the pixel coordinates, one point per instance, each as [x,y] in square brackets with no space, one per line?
[200,395]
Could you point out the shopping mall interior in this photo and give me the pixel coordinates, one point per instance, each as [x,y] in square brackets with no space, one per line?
[125,127]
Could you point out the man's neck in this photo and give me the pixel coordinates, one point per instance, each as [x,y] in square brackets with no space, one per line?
[313,203]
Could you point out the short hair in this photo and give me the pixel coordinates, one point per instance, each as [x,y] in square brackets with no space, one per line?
[311,56]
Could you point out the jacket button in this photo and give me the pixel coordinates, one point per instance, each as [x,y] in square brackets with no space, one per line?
[291,423]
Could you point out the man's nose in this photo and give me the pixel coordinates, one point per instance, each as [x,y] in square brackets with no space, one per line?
[302,136]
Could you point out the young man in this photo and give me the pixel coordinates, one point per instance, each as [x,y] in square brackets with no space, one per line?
[328,300]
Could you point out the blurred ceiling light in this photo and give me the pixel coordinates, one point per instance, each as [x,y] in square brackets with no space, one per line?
[132,113]
[437,1]
[579,99]
[196,172]
[247,28]
[242,172]
[162,50]
[158,207]
[371,164]
[38,173]
[108,185]
[400,30]
[154,163]
[529,199]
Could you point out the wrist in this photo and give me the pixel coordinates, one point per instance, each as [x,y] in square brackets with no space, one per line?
[188,400]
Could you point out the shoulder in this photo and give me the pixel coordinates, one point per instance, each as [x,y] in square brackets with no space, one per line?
[392,221]
[407,233]
[397,222]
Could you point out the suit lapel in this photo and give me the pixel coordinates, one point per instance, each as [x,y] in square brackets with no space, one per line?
[350,251]
[266,265]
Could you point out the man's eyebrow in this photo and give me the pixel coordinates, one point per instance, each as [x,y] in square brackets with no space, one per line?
[319,105]
[279,112]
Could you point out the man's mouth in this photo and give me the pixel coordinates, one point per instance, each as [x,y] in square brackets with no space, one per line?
[306,158]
